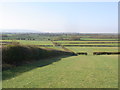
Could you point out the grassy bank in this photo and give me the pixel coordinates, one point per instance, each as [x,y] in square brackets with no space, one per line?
[19,54]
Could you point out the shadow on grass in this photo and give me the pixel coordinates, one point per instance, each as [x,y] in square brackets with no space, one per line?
[13,72]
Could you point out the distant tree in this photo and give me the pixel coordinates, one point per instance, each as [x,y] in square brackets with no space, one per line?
[17,38]
[75,38]
[4,35]
[22,38]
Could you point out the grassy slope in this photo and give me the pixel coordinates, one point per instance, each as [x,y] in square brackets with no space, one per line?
[70,72]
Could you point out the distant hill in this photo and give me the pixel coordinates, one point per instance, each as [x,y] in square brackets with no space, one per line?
[18,31]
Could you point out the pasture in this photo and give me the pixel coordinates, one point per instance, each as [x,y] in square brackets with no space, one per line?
[66,72]
[90,50]
[99,39]
[28,42]
[82,71]
[90,43]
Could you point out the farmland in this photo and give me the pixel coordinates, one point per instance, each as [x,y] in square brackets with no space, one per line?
[90,50]
[68,72]
[26,42]
[81,71]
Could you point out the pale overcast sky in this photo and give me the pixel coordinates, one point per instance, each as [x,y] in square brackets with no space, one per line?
[83,17]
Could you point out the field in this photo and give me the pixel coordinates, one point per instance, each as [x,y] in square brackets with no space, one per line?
[27,42]
[81,71]
[90,43]
[96,39]
[90,50]
[67,72]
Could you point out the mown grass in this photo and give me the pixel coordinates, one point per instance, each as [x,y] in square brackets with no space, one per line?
[83,41]
[30,42]
[68,72]
[90,50]
[54,47]
[26,42]
[96,39]
[93,44]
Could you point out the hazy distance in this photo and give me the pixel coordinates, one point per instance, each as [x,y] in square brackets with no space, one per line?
[80,17]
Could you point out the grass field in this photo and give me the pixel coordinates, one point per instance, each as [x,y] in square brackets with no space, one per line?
[93,44]
[97,39]
[83,41]
[28,42]
[69,43]
[66,72]
[90,50]
[54,47]
[35,42]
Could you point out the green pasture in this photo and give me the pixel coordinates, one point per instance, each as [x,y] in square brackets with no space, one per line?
[26,42]
[97,39]
[6,40]
[88,42]
[54,47]
[90,50]
[30,42]
[83,41]
[65,72]
[94,44]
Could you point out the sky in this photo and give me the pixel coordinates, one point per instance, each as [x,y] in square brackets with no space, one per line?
[80,17]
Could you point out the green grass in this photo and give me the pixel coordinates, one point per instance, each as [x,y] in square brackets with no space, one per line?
[26,42]
[82,41]
[54,47]
[94,44]
[96,39]
[30,42]
[68,72]
[90,50]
